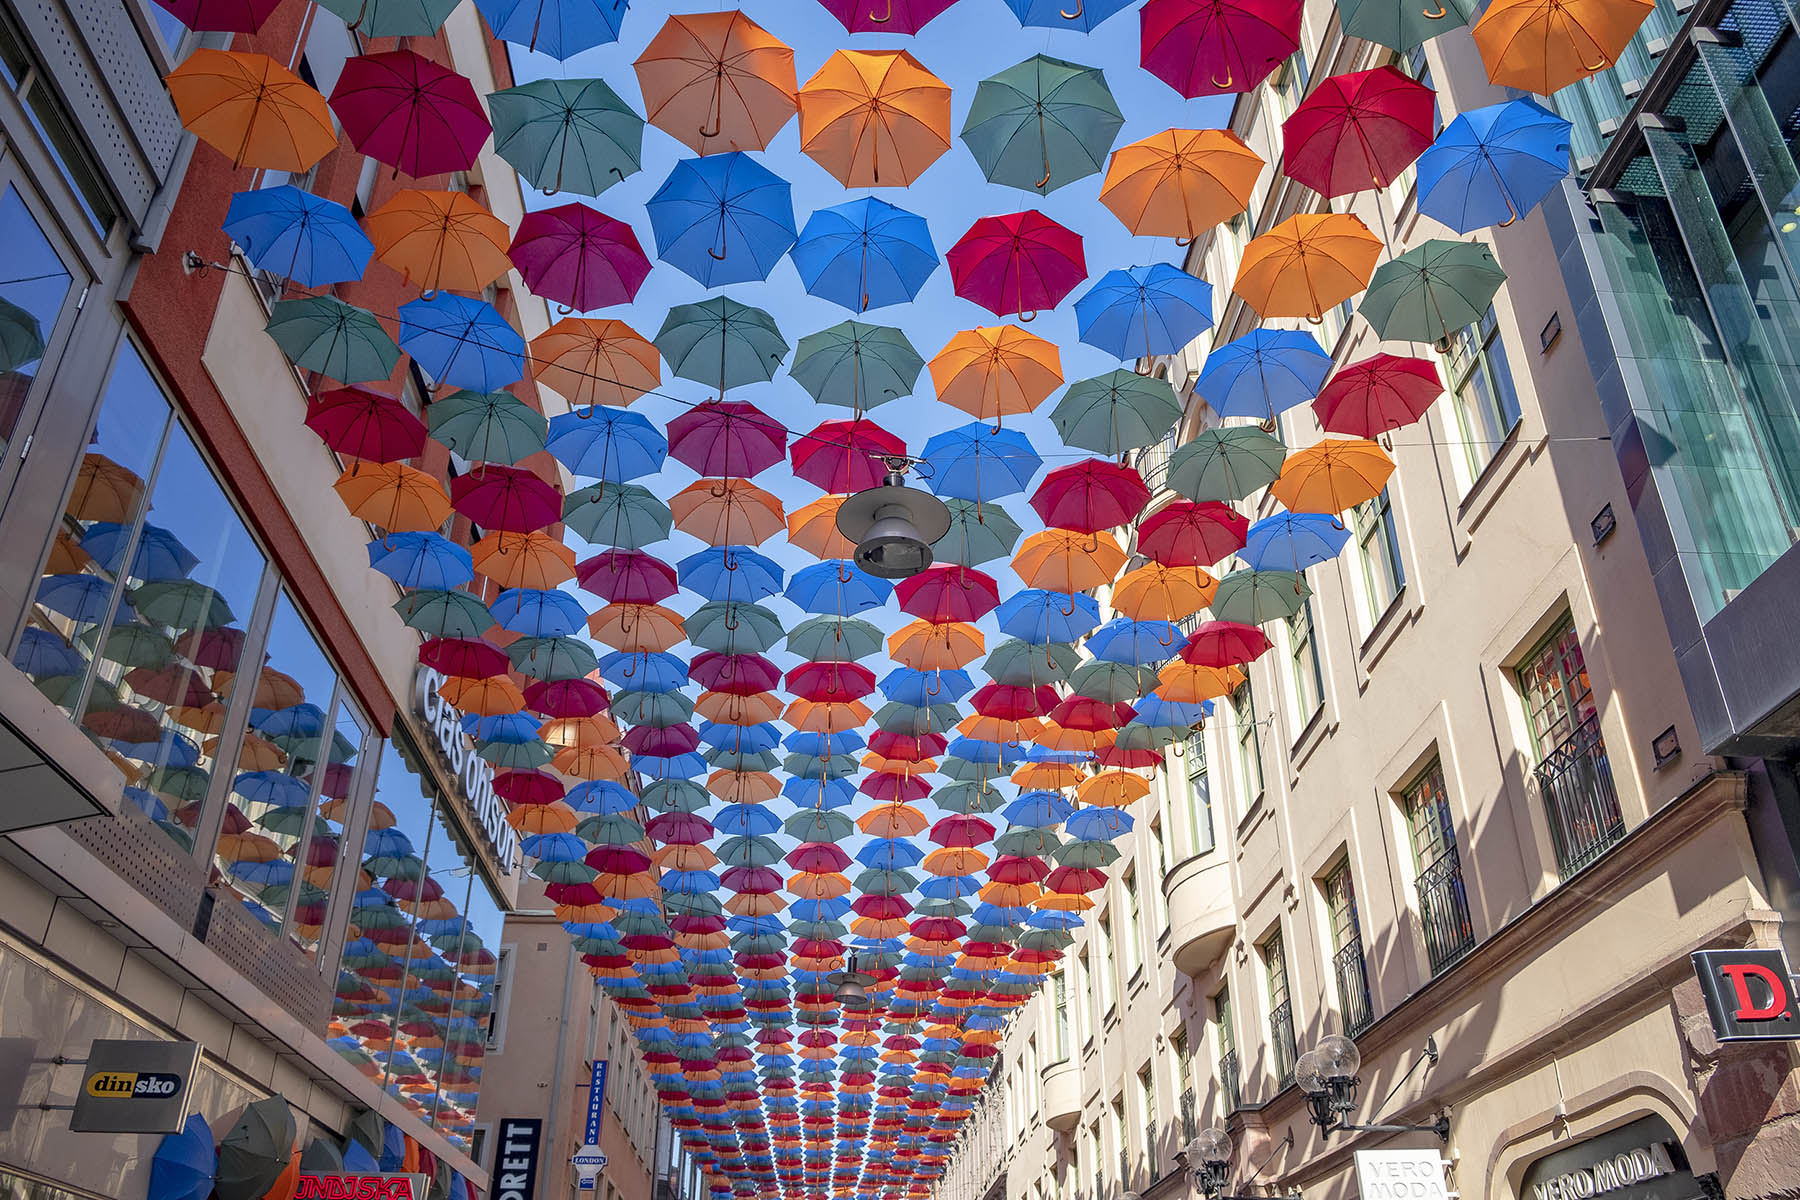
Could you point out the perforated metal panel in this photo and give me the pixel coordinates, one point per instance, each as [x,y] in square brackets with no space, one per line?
[142,855]
[137,89]
[278,968]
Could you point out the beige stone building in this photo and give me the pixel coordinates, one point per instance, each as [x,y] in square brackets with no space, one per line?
[1459,812]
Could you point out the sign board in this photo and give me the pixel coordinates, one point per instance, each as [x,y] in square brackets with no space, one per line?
[516,1164]
[1750,994]
[362,1187]
[1638,1161]
[474,775]
[132,1086]
[1401,1175]
[590,1160]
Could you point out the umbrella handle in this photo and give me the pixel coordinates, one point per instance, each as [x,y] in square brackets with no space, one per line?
[1066,15]
[1183,242]
[1224,83]
[1145,371]
[1032,315]
[1512,214]
[1439,15]
[1604,63]
[886,16]
[707,133]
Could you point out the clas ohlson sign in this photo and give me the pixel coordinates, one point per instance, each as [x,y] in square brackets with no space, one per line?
[474,777]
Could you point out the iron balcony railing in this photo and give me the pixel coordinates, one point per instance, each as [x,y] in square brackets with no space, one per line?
[1228,1081]
[1444,910]
[1353,988]
[1124,1166]
[1152,1160]
[1281,1035]
[1190,1116]
[1153,464]
[1579,799]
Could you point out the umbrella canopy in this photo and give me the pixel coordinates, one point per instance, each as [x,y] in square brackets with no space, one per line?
[1307,264]
[1116,412]
[579,257]
[1144,311]
[559,28]
[338,340]
[1432,290]
[1091,495]
[1368,398]
[185,1163]
[979,462]
[727,437]
[487,426]
[1333,476]
[845,456]
[875,118]
[1358,131]
[253,110]
[885,16]
[996,371]
[591,361]
[1227,463]
[722,219]
[721,342]
[393,18]
[865,254]
[1263,373]
[1184,534]
[567,135]
[394,496]
[1253,597]
[462,342]
[1181,182]
[409,112]
[610,445]
[1213,47]
[221,16]
[1491,166]
[1041,124]
[1544,47]
[440,239]
[256,1151]
[1017,264]
[1060,14]
[1402,25]
[855,365]
[717,82]
[297,235]
[1293,541]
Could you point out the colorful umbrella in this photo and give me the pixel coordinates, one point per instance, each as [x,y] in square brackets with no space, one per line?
[559,28]
[885,16]
[727,437]
[1358,131]
[1431,291]
[1066,560]
[1402,25]
[1185,534]
[253,110]
[721,342]
[1211,47]
[1091,495]
[1491,166]
[1225,463]
[1333,476]
[579,257]
[845,456]
[1041,124]
[717,82]
[724,512]
[487,426]
[996,371]
[607,444]
[1252,597]
[1017,264]
[975,536]
[338,340]
[1307,264]
[1293,541]
[440,240]
[219,16]
[592,361]
[856,366]
[1263,373]
[864,254]
[409,112]
[867,112]
[1144,311]
[978,462]
[1544,46]
[462,342]
[1368,398]
[393,18]
[1062,14]
[394,496]
[367,425]
[1116,412]
[505,498]
[572,135]
[1154,592]
[297,235]
[1180,182]
[1224,644]
[722,219]
[421,560]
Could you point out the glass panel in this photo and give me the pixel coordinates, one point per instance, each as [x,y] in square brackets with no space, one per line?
[1199,796]
[1243,705]
[1554,681]
[1378,545]
[57,128]
[471,949]
[35,287]
[1428,818]
[1309,681]
[322,851]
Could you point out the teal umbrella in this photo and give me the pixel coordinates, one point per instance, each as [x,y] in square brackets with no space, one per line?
[978,533]
[610,829]
[487,426]
[132,645]
[517,756]
[721,342]
[617,514]
[1042,124]
[856,366]
[1252,597]
[564,872]
[256,1151]
[393,18]
[676,795]
[440,613]
[732,627]
[1111,682]
[1402,25]
[1020,664]
[1116,412]
[338,340]
[753,851]
[661,709]
[1431,291]
[567,135]
[917,721]
[1086,854]
[834,639]
[182,604]
[1026,842]
[1226,463]
[552,658]
[21,337]
[818,825]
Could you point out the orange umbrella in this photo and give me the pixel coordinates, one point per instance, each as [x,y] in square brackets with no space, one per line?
[1180,182]
[1307,264]
[589,361]
[1154,592]
[1333,475]
[1063,560]
[524,560]
[591,762]
[579,731]
[556,817]
[1545,45]
[393,496]
[637,627]
[809,885]
[1000,729]
[684,858]
[1010,895]
[104,490]
[1049,776]
[1188,683]
[497,696]
[826,716]
[813,528]
[1060,737]
[717,81]
[874,118]
[252,109]
[727,512]
[440,240]
[743,787]
[955,860]
[996,371]
[729,709]
[927,647]
[1113,789]
[892,820]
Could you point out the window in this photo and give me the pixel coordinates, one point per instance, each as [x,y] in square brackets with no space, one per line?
[1184,1083]
[1481,391]
[1443,900]
[1347,962]
[38,298]
[1034,1082]
[1199,796]
[1573,772]
[1281,1007]
[1059,1002]
[1553,679]
[1158,902]
[1115,1114]
[36,92]
[1303,656]
[1378,545]
[1129,936]
[1225,1043]
[1104,951]
[1096,1157]
[1250,772]
[1287,87]
[1146,1087]
[496,1018]
[1090,985]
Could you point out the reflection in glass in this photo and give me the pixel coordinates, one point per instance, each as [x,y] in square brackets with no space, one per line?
[34,286]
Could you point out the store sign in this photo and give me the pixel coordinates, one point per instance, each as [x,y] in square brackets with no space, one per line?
[590,1160]
[362,1187]
[1750,994]
[474,776]
[1401,1175]
[516,1167]
[1639,1161]
[135,1087]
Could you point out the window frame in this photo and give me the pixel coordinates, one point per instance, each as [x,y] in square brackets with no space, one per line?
[1252,780]
[1575,708]
[1303,644]
[1373,523]
[1501,409]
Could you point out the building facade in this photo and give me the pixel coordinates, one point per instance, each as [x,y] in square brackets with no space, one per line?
[1465,811]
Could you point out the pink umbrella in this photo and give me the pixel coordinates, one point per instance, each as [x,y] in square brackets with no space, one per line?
[1186,534]
[1090,496]
[627,577]
[845,456]
[679,828]
[661,743]
[510,499]
[735,674]
[221,16]
[1386,391]
[1358,131]
[1211,47]
[1019,263]
[819,857]
[885,16]
[579,257]
[410,112]
[727,438]
[566,698]
[944,594]
[617,860]
[830,681]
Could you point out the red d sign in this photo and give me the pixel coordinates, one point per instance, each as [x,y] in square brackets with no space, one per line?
[1749,994]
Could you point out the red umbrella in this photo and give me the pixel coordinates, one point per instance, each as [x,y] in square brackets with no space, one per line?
[1017,264]
[885,16]
[1370,397]
[818,857]
[1074,880]
[1358,131]
[464,658]
[727,437]
[176,684]
[845,456]
[414,889]
[960,830]
[627,577]
[891,788]
[221,16]
[214,649]
[906,747]
[528,787]
[1186,534]
[617,860]
[1011,868]
[735,674]
[1211,47]
[1091,495]
[664,742]
[1006,702]
[566,698]
[1224,644]
[579,257]
[358,423]
[410,112]
[1088,714]
[509,499]
[830,681]
[941,595]
[881,908]
[1114,756]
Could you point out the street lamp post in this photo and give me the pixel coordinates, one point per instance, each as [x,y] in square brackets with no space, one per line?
[1327,1074]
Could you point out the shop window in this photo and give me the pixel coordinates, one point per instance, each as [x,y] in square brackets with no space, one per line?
[1481,390]
[1573,773]
[1443,898]
[1347,964]
[36,91]
[1378,547]
[37,294]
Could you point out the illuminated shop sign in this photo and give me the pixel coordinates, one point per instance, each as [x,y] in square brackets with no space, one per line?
[474,776]
[1750,994]
[1639,1161]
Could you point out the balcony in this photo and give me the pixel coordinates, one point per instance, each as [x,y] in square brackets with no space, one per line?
[1062,1095]
[1202,913]
[1577,785]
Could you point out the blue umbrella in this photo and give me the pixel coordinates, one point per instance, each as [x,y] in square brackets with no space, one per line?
[272,787]
[979,462]
[985,753]
[821,745]
[559,28]
[305,720]
[675,766]
[277,871]
[171,750]
[1143,311]
[1493,165]
[1136,643]
[819,793]
[393,1147]
[1265,372]
[890,854]
[421,560]
[515,728]
[462,342]
[1293,541]
[159,554]
[356,1158]
[184,1163]
[611,444]
[554,847]
[746,820]
[837,587]
[299,236]
[644,671]
[722,219]
[1039,617]
[79,597]
[1038,809]
[864,254]
[602,796]
[1066,14]
[1098,824]
[729,573]
[147,803]
[741,739]
[1154,710]
[44,655]
[538,612]
[905,685]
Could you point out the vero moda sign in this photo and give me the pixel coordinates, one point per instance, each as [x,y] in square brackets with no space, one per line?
[1751,995]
